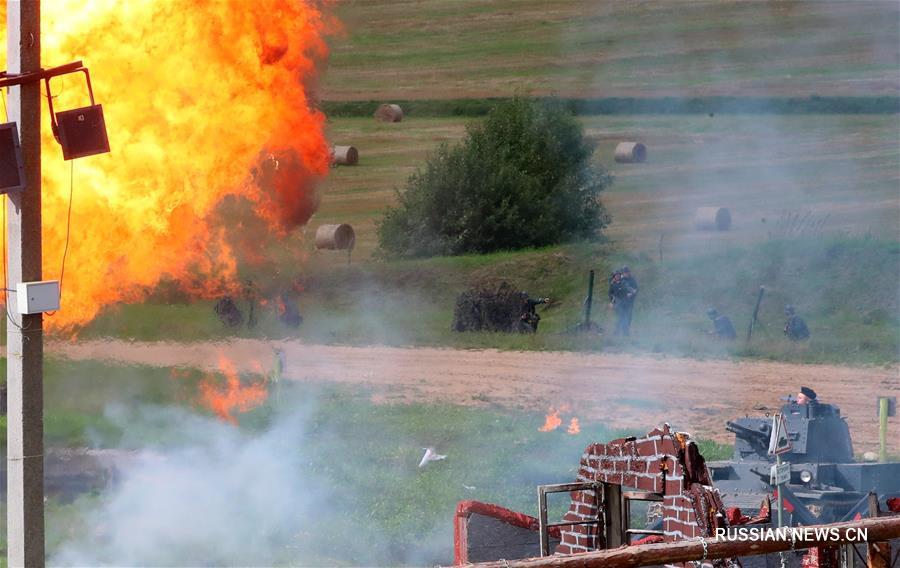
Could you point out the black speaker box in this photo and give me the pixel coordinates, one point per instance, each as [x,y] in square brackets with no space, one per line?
[12,171]
[82,132]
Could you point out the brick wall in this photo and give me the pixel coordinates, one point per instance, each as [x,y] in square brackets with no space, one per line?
[654,463]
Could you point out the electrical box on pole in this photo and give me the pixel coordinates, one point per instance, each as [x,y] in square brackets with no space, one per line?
[37,297]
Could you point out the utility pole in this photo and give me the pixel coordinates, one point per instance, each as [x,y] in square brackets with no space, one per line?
[24,333]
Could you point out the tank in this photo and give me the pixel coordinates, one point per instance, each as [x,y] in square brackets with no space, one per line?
[826,484]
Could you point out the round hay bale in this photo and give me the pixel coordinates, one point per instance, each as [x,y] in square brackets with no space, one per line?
[335,237]
[712,219]
[344,155]
[389,113]
[631,153]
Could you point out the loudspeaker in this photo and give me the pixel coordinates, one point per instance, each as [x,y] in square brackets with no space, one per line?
[12,170]
[82,132]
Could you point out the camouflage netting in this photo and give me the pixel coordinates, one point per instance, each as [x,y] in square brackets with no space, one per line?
[487,309]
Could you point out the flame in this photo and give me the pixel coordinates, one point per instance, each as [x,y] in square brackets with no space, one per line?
[551,422]
[574,427]
[203,100]
[234,396]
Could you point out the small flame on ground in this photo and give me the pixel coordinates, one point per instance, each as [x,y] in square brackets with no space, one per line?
[225,400]
[551,422]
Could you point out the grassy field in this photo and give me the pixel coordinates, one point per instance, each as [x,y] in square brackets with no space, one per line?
[361,456]
[471,48]
[838,172]
[843,167]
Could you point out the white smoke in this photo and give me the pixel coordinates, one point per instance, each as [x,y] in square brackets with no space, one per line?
[224,497]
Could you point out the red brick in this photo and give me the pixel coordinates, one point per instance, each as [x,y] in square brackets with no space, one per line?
[586,510]
[679,526]
[646,483]
[645,448]
[629,479]
[681,501]
[638,466]
[666,446]
[673,487]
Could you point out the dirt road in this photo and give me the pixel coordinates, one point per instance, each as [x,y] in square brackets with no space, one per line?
[619,390]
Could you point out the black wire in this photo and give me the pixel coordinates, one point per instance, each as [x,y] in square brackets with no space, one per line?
[50,95]
[62,271]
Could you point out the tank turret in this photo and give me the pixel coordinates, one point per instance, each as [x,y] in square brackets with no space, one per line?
[824,478]
[817,432]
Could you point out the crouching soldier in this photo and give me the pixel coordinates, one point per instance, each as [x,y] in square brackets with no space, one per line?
[795,328]
[528,321]
[722,327]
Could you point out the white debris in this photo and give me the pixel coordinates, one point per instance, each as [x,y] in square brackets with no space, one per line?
[430,456]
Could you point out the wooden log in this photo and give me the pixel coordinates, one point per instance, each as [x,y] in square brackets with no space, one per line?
[879,554]
[878,530]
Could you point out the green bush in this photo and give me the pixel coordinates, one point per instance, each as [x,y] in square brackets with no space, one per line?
[521,178]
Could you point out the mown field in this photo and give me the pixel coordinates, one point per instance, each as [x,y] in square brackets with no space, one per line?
[843,169]
[813,197]
[813,200]
[472,48]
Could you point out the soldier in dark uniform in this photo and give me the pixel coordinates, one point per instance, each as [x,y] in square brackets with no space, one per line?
[723,329]
[623,290]
[528,321]
[806,396]
[795,328]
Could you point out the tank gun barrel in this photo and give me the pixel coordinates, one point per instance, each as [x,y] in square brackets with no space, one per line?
[749,434]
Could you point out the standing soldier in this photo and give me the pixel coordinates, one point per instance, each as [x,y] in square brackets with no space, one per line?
[723,329]
[623,290]
[795,328]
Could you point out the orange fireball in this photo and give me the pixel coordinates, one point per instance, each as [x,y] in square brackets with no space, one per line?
[203,99]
